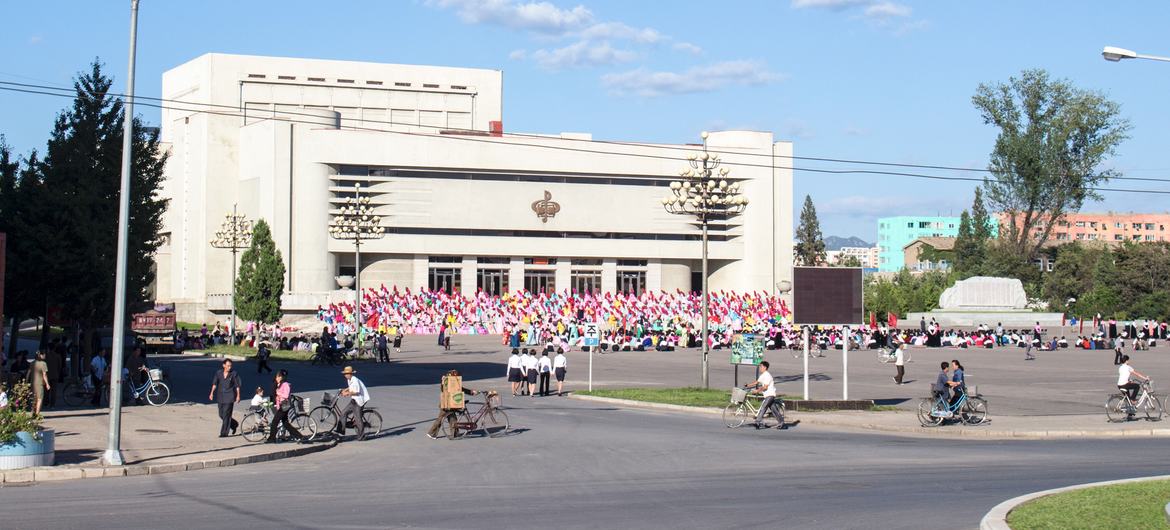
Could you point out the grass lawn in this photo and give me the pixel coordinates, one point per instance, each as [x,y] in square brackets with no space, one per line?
[244,351]
[690,396]
[1137,505]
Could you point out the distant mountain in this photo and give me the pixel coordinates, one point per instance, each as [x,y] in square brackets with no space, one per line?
[835,243]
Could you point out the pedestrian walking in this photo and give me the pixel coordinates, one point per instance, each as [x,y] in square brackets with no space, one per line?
[262,355]
[38,377]
[359,396]
[514,366]
[560,366]
[283,405]
[383,347]
[1118,344]
[544,367]
[438,423]
[97,376]
[225,392]
[398,340]
[900,362]
[55,360]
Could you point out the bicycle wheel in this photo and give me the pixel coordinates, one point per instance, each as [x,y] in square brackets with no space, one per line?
[304,425]
[158,394]
[883,357]
[733,415]
[925,416]
[1115,408]
[254,427]
[494,423]
[325,420]
[974,411]
[455,424]
[906,356]
[797,353]
[75,394]
[1153,408]
[372,421]
[816,351]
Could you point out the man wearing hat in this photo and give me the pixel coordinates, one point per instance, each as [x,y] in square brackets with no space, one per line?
[359,396]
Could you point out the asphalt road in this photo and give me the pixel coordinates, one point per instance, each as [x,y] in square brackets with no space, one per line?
[574,464]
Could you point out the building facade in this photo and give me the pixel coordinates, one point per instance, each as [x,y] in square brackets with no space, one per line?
[894,233]
[466,207]
[867,256]
[929,254]
[1110,226]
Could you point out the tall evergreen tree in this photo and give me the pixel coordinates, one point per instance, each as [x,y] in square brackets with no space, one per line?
[810,246]
[77,211]
[981,221]
[966,247]
[261,278]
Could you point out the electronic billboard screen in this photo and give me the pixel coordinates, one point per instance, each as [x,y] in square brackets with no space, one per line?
[827,295]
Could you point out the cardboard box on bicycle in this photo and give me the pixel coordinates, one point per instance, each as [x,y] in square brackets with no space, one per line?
[451,392]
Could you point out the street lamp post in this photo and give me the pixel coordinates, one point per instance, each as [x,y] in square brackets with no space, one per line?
[356,222]
[235,234]
[706,195]
[1115,54]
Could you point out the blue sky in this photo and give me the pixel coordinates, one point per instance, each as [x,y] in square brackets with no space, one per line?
[875,80]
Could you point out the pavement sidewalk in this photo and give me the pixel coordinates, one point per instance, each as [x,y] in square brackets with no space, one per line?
[904,422]
[175,437]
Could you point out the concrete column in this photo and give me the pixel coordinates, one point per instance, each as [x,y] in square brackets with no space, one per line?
[420,272]
[468,281]
[675,275]
[516,274]
[564,274]
[653,275]
[609,275]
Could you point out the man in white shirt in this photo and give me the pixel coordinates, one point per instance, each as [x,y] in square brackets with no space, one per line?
[97,374]
[560,365]
[359,396]
[900,362]
[765,385]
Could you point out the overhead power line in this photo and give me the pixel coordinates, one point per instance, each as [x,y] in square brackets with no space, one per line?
[236,112]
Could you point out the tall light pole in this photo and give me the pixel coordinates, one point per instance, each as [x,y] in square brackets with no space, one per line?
[235,234]
[113,454]
[706,195]
[1115,54]
[356,222]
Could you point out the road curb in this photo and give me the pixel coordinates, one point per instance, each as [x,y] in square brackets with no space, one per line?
[996,519]
[197,353]
[50,474]
[816,418]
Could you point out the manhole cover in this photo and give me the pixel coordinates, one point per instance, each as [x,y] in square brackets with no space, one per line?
[151,431]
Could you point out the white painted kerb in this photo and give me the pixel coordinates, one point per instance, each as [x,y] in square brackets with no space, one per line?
[996,519]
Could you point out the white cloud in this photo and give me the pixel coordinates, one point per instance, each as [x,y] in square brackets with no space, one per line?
[581,54]
[797,130]
[620,31]
[36,39]
[540,17]
[707,78]
[518,55]
[687,47]
[853,130]
[835,5]
[888,10]
[874,206]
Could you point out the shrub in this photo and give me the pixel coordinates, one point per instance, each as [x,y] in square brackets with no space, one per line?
[18,416]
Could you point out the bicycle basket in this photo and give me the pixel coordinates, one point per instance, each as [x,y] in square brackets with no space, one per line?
[155,374]
[298,404]
[327,399]
[494,400]
[738,395]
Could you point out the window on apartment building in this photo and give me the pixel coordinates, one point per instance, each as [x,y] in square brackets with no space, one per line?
[1118,225]
[1061,236]
[1092,236]
[1149,238]
[1080,224]
[910,225]
[1093,225]
[1080,236]
[1118,237]
[1149,226]
[1137,226]
[1137,237]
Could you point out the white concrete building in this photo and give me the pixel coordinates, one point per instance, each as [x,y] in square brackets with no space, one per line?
[286,139]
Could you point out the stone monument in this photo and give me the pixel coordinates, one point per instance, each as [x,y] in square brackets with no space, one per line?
[986,300]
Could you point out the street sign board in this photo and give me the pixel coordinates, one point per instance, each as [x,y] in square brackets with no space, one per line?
[592,334]
[747,350]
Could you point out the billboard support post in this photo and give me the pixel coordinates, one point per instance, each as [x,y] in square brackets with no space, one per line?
[845,364]
[805,332]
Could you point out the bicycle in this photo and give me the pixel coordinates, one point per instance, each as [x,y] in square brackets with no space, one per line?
[970,409]
[257,422]
[741,408]
[1119,408]
[155,391]
[79,391]
[489,419]
[327,415]
[814,350]
[327,357]
[885,356]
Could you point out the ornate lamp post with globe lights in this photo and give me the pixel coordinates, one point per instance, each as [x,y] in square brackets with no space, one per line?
[356,222]
[704,193]
[235,234]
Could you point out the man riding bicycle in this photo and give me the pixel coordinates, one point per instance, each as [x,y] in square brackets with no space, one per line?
[1124,373]
[766,385]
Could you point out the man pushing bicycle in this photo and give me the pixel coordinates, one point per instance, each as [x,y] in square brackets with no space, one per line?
[766,385]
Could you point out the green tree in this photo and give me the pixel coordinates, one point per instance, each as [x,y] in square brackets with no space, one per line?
[968,257]
[261,278]
[981,221]
[848,261]
[810,246]
[77,205]
[1053,139]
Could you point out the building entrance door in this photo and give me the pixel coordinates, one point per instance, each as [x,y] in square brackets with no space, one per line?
[446,280]
[540,281]
[493,281]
